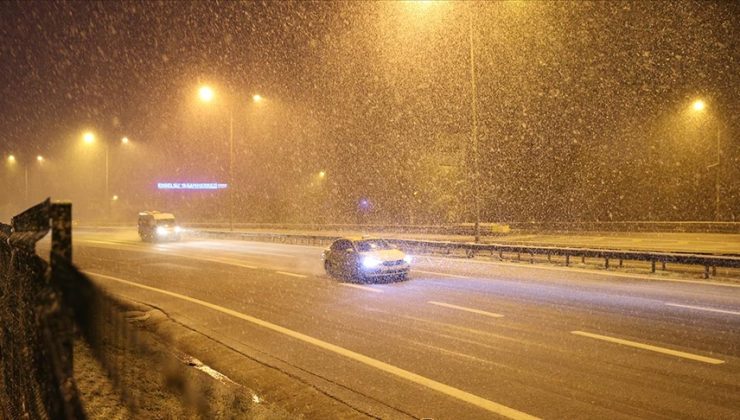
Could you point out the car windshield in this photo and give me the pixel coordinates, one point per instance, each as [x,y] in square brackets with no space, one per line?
[372,245]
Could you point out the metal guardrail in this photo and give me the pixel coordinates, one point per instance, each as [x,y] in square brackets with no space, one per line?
[472,249]
[709,262]
[629,226]
[495,228]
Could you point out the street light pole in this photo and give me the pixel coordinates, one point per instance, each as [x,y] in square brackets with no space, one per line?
[25,171]
[474,129]
[716,178]
[107,175]
[231,168]
[207,94]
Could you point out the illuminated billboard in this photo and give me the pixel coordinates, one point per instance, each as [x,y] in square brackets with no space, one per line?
[190,186]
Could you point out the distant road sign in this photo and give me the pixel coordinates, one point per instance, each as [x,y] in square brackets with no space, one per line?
[190,186]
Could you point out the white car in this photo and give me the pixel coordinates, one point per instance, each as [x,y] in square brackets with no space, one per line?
[365,259]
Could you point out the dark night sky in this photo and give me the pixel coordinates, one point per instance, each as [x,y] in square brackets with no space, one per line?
[581,105]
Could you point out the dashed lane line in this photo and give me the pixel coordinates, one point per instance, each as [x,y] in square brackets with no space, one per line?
[462,308]
[443,274]
[357,286]
[703,308]
[657,349]
[448,390]
[583,271]
[285,273]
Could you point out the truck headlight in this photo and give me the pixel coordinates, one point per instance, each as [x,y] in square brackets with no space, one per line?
[178,229]
[407,259]
[370,262]
[161,231]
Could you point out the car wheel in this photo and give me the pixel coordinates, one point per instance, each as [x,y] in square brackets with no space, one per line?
[357,276]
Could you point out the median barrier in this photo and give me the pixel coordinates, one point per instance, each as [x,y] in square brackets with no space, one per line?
[609,256]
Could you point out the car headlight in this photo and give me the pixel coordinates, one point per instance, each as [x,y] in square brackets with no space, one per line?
[161,230]
[178,229]
[370,262]
[407,259]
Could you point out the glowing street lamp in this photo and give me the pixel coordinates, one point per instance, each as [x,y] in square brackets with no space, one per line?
[40,158]
[11,159]
[698,105]
[206,94]
[88,137]
[322,174]
[124,140]
[257,98]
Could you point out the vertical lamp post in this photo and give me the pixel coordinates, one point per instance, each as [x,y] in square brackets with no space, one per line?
[474,128]
[474,177]
[700,106]
[12,160]
[207,94]
[89,138]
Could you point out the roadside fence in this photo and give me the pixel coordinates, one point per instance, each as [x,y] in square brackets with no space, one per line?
[49,309]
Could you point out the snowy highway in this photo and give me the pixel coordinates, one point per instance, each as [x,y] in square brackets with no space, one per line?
[460,339]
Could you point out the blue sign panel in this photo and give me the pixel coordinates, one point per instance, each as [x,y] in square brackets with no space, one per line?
[190,186]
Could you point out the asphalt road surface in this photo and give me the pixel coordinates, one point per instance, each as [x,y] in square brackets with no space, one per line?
[460,339]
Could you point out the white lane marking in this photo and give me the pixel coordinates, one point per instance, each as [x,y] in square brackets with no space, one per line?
[226,261]
[704,308]
[651,348]
[357,286]
[586,271]
[292,274]
[213,373]
[366,360]
[443,274]
[92,241]
[462,308]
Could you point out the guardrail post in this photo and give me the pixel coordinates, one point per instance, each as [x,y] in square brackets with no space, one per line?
[714,271]
[567,260]
[706,271]
[662,265]
[652,266]
[61,233]
[583,259]
[606,263]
